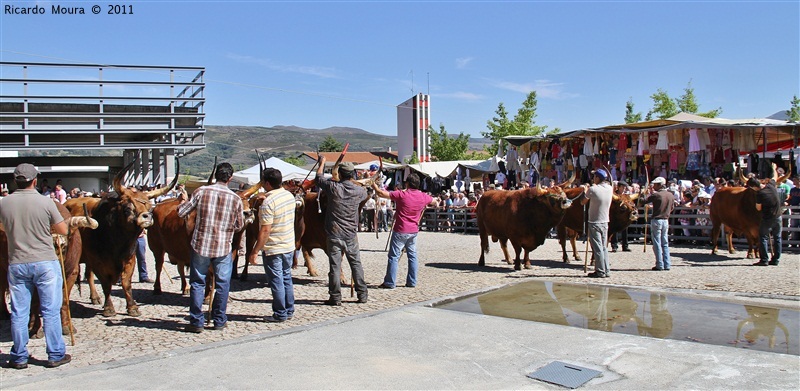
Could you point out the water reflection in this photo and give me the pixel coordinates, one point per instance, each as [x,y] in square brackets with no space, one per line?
[764,322]
[638,312]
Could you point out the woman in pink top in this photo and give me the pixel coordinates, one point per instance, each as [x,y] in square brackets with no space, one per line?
[409,206]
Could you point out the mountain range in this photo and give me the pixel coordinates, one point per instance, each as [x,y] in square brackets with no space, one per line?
[237,144]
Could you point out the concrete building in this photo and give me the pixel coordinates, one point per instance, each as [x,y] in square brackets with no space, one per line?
[413,120]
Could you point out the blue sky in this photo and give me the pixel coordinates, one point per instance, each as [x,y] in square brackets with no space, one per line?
[319,64]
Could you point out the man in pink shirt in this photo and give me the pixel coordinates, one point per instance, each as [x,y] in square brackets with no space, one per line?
[410,204]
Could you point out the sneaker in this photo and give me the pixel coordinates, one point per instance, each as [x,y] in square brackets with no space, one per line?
[362,300]
[656,268]
[385,286]
[190,328]
[333,302]
[220,327]
[53,364]
[14,365]
[410,286]
[272,319]
[774,262]
[761,264]
[146,280]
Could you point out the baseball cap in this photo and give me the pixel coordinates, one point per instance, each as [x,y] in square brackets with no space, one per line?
[601,173]
[25,172]
[373,167]
[347,166]
[659,181]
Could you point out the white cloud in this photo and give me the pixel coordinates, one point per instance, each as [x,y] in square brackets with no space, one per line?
[324,72]
[544,88]
[462,62]
[460,95]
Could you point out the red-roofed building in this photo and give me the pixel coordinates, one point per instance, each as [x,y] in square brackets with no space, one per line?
[354,157]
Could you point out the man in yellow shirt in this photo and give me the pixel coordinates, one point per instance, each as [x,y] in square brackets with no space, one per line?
[276,239]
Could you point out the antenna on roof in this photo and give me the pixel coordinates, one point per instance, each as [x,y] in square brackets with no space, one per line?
[412,82]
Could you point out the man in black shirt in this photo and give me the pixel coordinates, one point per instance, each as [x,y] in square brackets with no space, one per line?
[769,204]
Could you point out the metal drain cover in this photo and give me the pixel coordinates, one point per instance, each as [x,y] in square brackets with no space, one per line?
[563,374]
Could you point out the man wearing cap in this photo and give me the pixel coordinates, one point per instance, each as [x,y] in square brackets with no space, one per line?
[768,203]
[27,218]
[600,195]
[341,225]
[620,189]
[663,202]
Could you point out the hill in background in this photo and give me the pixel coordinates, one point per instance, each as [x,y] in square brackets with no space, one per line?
[237,144]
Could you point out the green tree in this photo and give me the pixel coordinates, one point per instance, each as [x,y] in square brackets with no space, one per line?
[297,161]
[330,144]
[687,103]
[630,117]
[446,148]
[414,159]
[663,106]
[477,155]
[794,111]
[523,124]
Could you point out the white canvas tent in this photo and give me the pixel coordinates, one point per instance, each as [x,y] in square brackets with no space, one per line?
[250,176]
[386,165]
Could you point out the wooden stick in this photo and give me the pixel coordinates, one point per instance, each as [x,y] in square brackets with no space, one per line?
[644,239]
[586,226]
[66,294]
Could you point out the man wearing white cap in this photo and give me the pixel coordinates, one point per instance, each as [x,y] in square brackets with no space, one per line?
[600,195]
[663,202]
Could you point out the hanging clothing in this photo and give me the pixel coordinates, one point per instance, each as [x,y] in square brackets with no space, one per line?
[622,144]
[694,142]
[556,151]
[642,144]
[703,138]
[588,148]
[663,141]
[675,137]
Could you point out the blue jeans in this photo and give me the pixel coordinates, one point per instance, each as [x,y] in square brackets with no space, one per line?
[223,266]
[140,258]
[45,277]
[598,235]
[278,269]
[767,227]
[398,242]
[659,230]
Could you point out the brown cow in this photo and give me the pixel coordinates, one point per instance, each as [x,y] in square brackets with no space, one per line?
[70,249]
[172,235]
[108,251]
[621,214]
[735,207]
[251,229]
[525,217]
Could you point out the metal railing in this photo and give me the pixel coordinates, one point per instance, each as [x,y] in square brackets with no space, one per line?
[464,221]
[101,106]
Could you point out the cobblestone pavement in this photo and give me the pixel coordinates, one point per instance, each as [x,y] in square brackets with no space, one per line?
[448,267]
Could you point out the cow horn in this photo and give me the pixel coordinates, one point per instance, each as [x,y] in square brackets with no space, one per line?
[634,196]
[615,197]
[117,183]
[568,182]
[775,172]
[213,171]
[741,176]
[164,190]
[784,177]
[82,222]
[250,191]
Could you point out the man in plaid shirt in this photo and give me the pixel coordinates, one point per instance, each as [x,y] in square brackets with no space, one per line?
[219,215]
